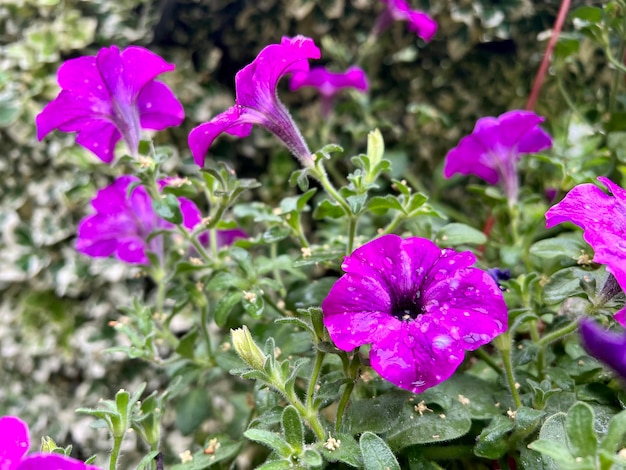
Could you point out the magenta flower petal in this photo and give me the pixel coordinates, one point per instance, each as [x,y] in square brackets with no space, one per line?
[121,224]
[14,442]
[418,306]
[329,83]
[602,217]
[493,149]
[418,21]
[257,100]
[609,348]
[227,237]
[109,97]
[43,461]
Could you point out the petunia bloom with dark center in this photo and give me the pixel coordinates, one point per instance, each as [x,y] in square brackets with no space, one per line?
[419,307]
[329,83]
[418,21]
[14,443]
[493,149]
[109,97]
[602,217]
[257,100]
[606,346]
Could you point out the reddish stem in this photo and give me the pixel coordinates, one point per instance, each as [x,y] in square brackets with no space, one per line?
[543,68]
[491,220]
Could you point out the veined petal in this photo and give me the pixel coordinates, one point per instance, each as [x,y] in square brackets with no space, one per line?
[158,107]
[81,76]
[603,220]
[15,442]
[256,83]
[126,73]
[468,158]
[234,120]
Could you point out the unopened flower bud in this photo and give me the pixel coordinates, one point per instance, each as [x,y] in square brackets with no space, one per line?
[247,348]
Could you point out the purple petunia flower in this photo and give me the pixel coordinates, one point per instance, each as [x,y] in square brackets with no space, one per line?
[399,10]
[603,220]
[14,443]
[607,347]
[109,97]
[420,307]
[329,83]
[257,100]
[493,149]
[123,223]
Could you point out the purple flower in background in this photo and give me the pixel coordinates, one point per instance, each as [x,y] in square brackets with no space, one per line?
[498,275]
[329,83]
[14,443]
[493,149]
[109,97]
[257,100]
[399,10]
[603,220]
[605,346]
[420,307]
[123,223]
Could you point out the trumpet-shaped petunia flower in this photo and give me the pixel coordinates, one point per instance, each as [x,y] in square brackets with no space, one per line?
[329,83]
[14,443]
[419,307]
[399,10]
[257,100]
[602,217]
[123,222]
[493,149]
[111,96]
[607,347]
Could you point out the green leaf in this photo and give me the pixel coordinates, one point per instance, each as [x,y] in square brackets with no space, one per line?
[192,409]
[328,210]
[253,302]
[449,420]
[168,208]
[186,345]
[564,284]
[293,429]
[225,305]
[382,204]
[376,453]
[554,450]
[455,234]
[567,246]
[579,425]
[276,233]
[375,414]
[226,280]
[493,440]
[615,435]
[312,458]
[347,451]
[269,439]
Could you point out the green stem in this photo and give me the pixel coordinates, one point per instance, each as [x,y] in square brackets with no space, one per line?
[351,234]
[204,320]
[310,415]
[343,403]
[617,77]
[320,174]
[317,368]
[508,367]
[398,218]
[488,360]
[557,334]
[541,355]
[115,451]
[197,245]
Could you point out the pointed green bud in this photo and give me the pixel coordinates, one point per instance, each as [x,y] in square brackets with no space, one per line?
[375,148]
[247,348]
[48,445]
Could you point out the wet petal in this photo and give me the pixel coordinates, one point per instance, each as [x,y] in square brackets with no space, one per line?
[15,442]
[158,107]
[603,219]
